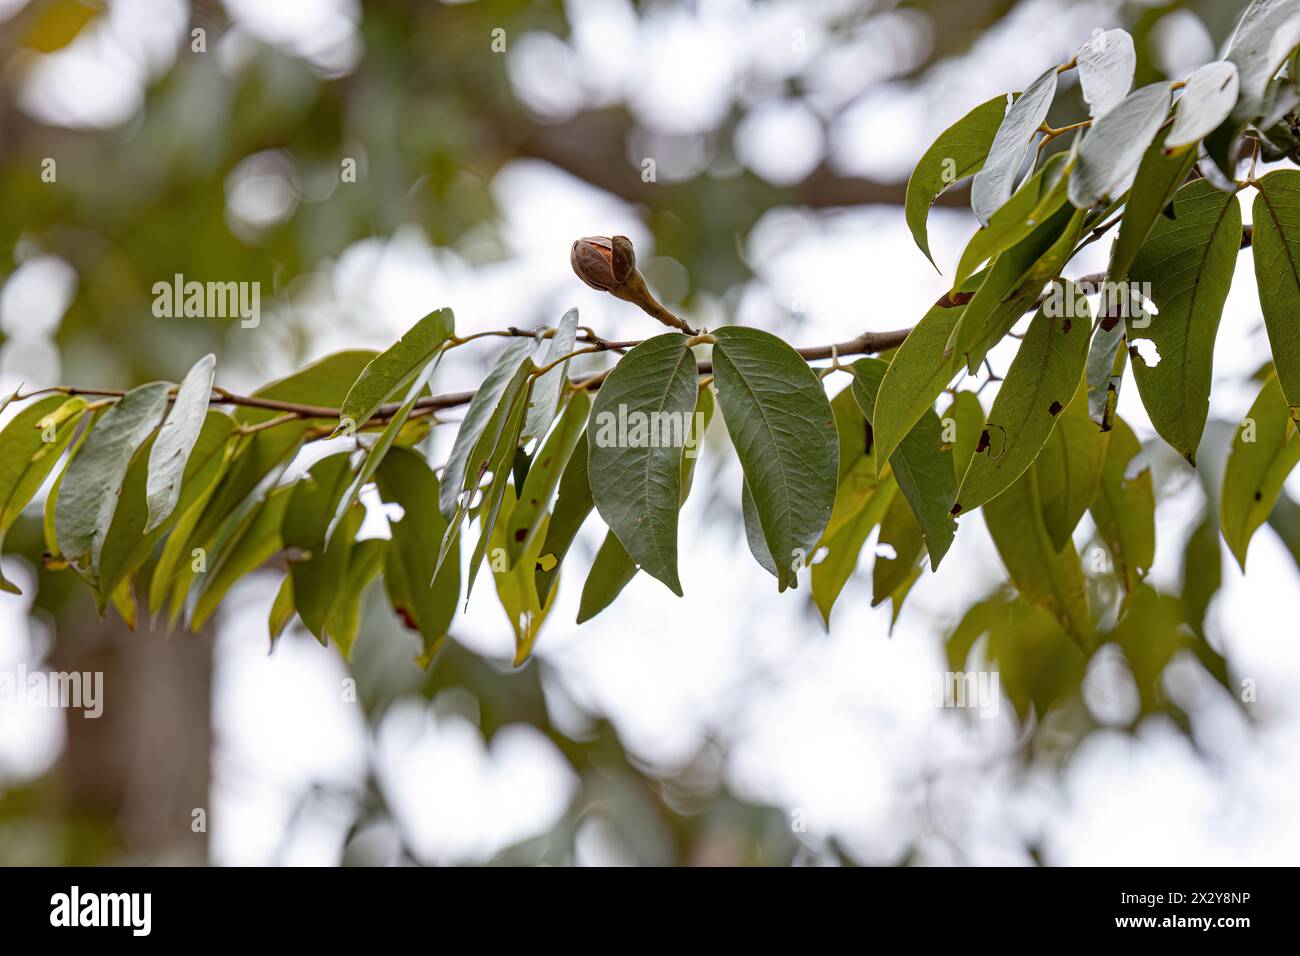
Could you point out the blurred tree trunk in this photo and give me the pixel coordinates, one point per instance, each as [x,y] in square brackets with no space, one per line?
[143,766]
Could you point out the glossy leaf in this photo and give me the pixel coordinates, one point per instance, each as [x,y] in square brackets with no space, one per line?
[1069,469]
[547,389]
[959,152]
[922,464]
[1207,101]
[127,544]
[93,480]
[1106,66]
[477,414]
[900,533]
[256,541]
[916,377]
[783,430]
[1276,248]
[572,505]
[1158,177]
[1266,34]
[180,430]
[1124,509]
[1045,576]
[374,454]
[534,499]
[425,603]
[26,458]
[635,440]
[1265,450]
[1188,262]
[994,183]
[1039,384]
[1108,157]
[1024,211]
[319,569]
[963,423]
[516,590]
[382,378]
[861,502]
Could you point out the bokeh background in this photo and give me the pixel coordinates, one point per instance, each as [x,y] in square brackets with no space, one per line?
[725,727]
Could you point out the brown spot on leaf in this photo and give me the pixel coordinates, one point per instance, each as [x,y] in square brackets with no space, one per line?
[1066,326]
[1109,322]
[1259,496]
[521,534]
[406,617]
[1055,408]
[1132,352]
[951,299]
[956,509]
[984,442]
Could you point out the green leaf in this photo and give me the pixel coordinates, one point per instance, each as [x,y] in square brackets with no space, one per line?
[613,568]
[639,425]
[176,438]
[364,563]
[1110,152]
[1106,66]
[1041,381]
[504,452]
[922,464]
[386,372]
[963,423]
[1124,509]
[128,543]
[1104,371]
[255,539]
[994,183]
[861,502]
[93,480]
[282,610]
[495,448]
[379,448]
[477,415]
[26,458]
[1012,284]
[534,500]
[425,603]
[611,571]
[1188,262]
[1265,36]
[1207,101]
[890,575]
[547,388]
[957,153]
[916,377]
[1069,469]
[1265,450]
[1276,247]
[853,435]
[783,430]
[572,505]
[517,592]
[1045,576]
[318,569]
[1158,177]
[1028,207]
[754,531]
